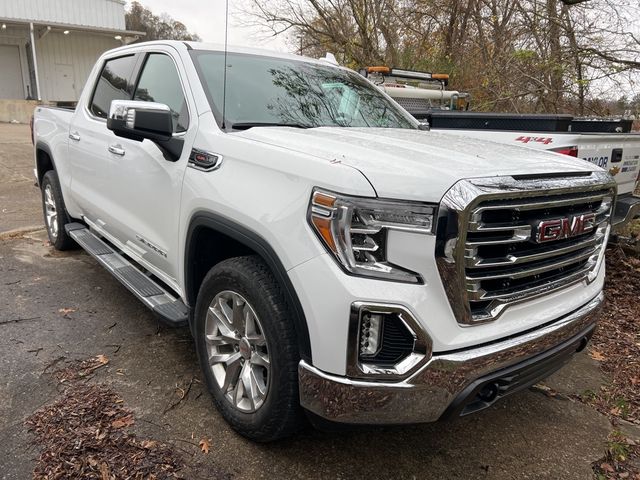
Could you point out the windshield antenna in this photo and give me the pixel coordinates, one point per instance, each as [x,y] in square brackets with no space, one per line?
[224,77]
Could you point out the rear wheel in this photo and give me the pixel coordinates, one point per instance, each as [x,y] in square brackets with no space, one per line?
[247,349]
[55,213]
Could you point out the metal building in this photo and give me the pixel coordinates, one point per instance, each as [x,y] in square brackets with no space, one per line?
[48,47]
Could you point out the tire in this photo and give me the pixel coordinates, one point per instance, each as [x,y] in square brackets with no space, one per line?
[264,313]
[55,212]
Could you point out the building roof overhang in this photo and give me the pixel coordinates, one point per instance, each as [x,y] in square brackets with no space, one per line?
[73,27]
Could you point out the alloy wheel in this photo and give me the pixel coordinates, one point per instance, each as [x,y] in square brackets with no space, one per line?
[237,351]
[51,212]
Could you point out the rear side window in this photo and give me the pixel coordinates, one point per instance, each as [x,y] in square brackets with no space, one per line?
[159,82]
[113,84]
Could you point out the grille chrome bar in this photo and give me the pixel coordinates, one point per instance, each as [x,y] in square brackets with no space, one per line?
[479,227]
[482,295]
[489,255]
[473,278]
[475,261]
[519,234]
[533,205]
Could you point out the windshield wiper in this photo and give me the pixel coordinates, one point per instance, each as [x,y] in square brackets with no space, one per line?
[247,125]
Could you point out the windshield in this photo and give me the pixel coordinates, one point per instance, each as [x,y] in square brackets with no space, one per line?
[275,91]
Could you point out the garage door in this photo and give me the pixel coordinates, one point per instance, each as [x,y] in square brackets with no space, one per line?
[10,72]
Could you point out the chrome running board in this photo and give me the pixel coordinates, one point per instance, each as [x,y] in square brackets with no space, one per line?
[170,309]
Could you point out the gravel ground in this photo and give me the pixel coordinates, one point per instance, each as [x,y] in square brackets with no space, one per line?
[57,309]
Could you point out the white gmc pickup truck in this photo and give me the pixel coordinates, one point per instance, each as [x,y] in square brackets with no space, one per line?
[329,257]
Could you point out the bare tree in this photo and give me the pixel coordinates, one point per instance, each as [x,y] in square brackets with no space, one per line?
[156,27]
[522,55]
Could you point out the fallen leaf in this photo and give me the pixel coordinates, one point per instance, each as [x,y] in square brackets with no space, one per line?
[123,422]
[66,311]
[597,355]
[102,359]
[148,444]
[542,388]
[104,471]
[204,445]
[607,467]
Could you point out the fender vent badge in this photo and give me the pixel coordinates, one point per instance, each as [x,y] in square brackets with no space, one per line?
[204,161]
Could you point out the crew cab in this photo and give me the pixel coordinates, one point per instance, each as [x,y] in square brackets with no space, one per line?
[332,260]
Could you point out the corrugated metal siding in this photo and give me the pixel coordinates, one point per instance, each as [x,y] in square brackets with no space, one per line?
[94,13]
[78,50]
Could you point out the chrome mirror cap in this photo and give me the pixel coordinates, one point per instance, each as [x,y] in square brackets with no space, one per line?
[126,110]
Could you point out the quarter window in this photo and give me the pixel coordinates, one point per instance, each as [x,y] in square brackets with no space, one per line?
[113,84]
[159,82]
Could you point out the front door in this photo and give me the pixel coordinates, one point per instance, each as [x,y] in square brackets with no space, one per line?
[146,186]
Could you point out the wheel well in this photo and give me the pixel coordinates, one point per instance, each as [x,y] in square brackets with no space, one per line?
[208,248]
[43,163]
[211,239]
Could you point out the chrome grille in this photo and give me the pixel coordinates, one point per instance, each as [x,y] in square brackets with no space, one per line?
[491,249]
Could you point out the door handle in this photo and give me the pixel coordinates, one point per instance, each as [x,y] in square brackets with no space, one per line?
[116,150]
[75,136]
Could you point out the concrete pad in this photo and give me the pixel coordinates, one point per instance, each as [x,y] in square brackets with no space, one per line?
[581,375]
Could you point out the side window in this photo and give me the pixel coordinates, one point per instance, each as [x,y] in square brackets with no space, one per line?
[113,84]
[159,82]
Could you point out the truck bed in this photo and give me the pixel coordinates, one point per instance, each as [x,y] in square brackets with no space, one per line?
[52,127]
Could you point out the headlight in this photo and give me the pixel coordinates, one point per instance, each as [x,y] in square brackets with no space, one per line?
[355,230]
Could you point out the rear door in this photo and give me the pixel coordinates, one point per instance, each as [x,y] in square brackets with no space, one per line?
[89,140]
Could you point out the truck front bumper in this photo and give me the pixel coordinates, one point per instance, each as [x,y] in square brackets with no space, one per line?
[451,383]
[627,208]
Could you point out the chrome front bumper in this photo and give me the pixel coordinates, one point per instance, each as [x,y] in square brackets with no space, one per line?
[451,384]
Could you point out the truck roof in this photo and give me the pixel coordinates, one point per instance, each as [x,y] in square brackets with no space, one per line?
[218,47]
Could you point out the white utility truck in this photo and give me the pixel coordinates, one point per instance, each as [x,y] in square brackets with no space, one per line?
[330,257]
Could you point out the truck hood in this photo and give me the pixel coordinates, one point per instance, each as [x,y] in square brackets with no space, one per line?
[415,164]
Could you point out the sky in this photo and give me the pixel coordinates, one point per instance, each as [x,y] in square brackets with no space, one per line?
[207,17]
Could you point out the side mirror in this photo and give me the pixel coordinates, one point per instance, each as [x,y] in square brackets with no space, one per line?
[137,121]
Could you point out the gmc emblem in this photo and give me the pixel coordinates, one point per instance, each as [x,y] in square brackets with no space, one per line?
[549,230]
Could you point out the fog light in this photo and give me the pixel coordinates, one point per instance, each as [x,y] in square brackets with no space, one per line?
[370,334]
[384,341]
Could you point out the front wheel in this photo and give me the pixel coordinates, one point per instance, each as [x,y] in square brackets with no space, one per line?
[247,348]
[55,213]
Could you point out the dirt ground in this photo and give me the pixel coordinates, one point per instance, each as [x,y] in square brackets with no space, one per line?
[19,201]
[57,308]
